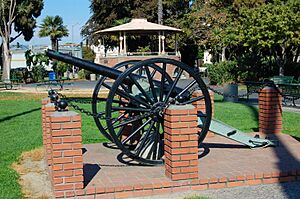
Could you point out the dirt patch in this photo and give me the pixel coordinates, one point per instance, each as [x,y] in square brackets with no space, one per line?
[34,178]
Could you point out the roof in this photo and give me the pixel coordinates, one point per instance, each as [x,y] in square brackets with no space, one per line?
[138,25]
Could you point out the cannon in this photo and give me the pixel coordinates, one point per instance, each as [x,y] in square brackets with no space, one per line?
[131,115]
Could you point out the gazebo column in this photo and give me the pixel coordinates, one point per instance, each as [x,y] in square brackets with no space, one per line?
[163,43]
[159,42]
[176,44]
[121,44]
[125,45]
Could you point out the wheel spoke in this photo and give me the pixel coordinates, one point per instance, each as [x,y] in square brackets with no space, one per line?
[128,96]
[137,118]
[144,139]
[155,142]
[133,109]
[174,84]
[153,73]
[136,131]
[162,82]
[190,85]
[141,89]
[109,87]
[120,131]
[151,84]
[115,101]
[193,100]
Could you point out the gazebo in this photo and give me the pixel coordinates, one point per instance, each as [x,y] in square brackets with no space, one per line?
[137,27]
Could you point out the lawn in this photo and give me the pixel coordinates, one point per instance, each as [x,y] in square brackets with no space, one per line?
[20,124]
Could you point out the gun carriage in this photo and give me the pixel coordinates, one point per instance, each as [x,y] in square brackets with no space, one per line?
[133,117]
[134,109]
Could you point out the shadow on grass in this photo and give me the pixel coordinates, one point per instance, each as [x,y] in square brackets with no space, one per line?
[19,114]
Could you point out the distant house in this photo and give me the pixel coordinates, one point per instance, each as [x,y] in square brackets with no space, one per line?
[18,53]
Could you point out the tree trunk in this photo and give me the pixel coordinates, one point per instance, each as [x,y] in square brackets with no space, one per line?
[53,44]
[6,60]
[160,12]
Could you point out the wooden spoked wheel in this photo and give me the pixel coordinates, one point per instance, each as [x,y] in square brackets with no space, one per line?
[139,115]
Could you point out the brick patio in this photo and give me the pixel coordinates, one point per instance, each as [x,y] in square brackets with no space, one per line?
[222,163]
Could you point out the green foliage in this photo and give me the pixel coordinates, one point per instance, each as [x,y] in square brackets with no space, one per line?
[37,62]
[62,67]
[225,72]
[24,17]
[262,36]
[20,16]
[84,74]
[88,54]
[53,27]
[144,49]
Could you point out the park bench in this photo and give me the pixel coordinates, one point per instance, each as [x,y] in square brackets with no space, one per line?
[7,86]
[282,79]
[61,83]
[290,88]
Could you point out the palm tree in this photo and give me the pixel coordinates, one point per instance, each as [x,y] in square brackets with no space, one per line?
[53,27]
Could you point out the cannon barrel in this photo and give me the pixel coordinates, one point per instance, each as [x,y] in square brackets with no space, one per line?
[84,64]
[101,69]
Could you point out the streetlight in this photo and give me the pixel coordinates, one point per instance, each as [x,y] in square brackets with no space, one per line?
[72,46]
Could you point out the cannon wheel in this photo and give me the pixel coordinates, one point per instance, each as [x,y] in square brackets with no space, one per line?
[98,100]
[145,102]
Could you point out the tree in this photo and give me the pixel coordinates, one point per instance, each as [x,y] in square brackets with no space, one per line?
[20,15]
[53,27]
[106,14]
[261,35]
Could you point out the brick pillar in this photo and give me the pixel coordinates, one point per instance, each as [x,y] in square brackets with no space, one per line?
[181,142]
[49,109]
[45,101]
[67,169]
[200,106]
[270,110]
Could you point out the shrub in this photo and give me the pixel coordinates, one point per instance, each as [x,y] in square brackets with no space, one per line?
[84,74]
[225,72]
[38,73]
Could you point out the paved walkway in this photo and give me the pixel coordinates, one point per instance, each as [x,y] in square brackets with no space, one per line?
[222,163]
[289,190]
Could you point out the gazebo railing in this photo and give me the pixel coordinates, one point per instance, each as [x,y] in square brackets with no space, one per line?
[138,54]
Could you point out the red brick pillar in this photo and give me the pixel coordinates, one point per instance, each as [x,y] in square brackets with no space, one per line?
[270,110]
[45,101]
[49,109]
[200,106]
[181,142]
[67,169]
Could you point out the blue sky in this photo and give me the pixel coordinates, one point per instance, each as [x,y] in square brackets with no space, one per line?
[74,13]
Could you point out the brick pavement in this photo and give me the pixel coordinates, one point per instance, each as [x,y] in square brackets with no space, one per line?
[222,163]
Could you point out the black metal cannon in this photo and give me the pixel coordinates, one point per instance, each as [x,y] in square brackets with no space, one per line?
[133,117]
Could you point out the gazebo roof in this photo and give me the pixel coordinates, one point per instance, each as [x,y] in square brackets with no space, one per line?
[138,25]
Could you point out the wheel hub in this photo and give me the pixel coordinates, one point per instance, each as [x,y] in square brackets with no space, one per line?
[157,110]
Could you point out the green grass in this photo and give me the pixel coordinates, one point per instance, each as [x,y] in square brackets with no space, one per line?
[20,130]
[245,117]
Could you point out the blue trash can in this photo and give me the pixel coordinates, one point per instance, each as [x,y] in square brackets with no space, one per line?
[52,76]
